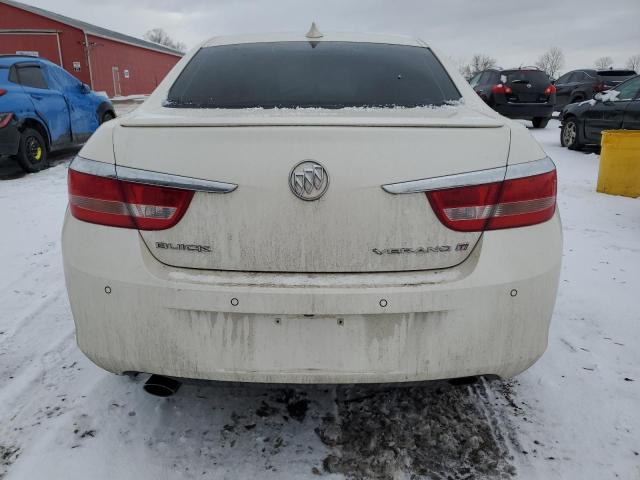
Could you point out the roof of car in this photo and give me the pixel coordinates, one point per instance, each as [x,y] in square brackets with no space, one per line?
[326,37]
[8,60]
[517,69]
[606,70]
[609,70]
[522,69]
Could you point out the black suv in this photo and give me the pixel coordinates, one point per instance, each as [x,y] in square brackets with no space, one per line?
[524,93]
[579,85]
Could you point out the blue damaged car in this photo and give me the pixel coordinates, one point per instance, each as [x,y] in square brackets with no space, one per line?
[43,108]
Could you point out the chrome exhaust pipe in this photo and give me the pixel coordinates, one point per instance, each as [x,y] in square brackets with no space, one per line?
[161,386]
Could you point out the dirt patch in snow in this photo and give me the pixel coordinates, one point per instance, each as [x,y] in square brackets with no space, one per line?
[8,455]
[436,430]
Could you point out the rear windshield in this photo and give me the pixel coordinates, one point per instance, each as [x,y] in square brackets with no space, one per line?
[617,73]
[312,74]
[535,77]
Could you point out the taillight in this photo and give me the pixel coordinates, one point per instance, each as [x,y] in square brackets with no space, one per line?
[550,89]
[599,87]
[516,202]
[5,118]
[2,91]
[500,88]
[109,201]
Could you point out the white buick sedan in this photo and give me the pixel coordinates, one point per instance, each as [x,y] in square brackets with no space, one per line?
[312,209]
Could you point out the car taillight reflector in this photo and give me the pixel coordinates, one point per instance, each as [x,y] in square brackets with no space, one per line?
[550,89]
[2,91]
[500,88]
[516,202]
[117,203]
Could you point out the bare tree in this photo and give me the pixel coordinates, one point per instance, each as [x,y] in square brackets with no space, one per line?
[633,63]
[551,62]
[479,62]
[603,63]
[158,35]
[465,71]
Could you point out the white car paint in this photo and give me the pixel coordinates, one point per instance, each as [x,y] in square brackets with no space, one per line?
[292,291]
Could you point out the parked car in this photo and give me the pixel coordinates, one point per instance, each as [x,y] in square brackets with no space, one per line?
[523,93]
[580,85]
[271,214]
[582,123]
[44,108]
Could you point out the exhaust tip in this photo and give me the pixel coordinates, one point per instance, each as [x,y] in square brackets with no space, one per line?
[160,386]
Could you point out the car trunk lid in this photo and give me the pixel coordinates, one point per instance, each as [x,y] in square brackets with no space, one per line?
[354,227]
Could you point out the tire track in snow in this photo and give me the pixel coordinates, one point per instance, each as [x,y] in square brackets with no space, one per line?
[21,319]
[434,430]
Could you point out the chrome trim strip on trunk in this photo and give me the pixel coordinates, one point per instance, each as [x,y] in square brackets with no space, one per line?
[529,169]
[149,177]
[93,167]
[468,179]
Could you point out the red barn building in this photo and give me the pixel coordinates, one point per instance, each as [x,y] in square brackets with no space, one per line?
[106,60]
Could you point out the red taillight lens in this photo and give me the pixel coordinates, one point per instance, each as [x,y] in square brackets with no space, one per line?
[5,118]
[500,88]
[465,208]
[550,89]
[116,203]
[599,87]
[2,91]
[513,203]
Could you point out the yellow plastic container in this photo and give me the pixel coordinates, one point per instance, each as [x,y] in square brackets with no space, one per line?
[619,172]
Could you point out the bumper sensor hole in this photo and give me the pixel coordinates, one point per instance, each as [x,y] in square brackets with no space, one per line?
[513,292]
[383,303]
[234,302]
[341,321]
[107,289]
[278,321]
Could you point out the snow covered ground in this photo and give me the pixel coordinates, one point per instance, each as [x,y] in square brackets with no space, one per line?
[575,414]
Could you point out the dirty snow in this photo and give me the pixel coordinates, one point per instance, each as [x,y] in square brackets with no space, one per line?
[575,414]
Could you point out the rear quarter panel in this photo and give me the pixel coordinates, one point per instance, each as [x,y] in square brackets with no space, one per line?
[18,102]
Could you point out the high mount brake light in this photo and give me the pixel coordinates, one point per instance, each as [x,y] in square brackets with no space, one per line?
[500,88]
[112,202]
[515,202]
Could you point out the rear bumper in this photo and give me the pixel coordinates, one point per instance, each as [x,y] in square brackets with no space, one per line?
[9,140]
[525,111]
[489,315]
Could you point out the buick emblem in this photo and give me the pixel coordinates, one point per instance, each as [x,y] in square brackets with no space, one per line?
[308,180]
